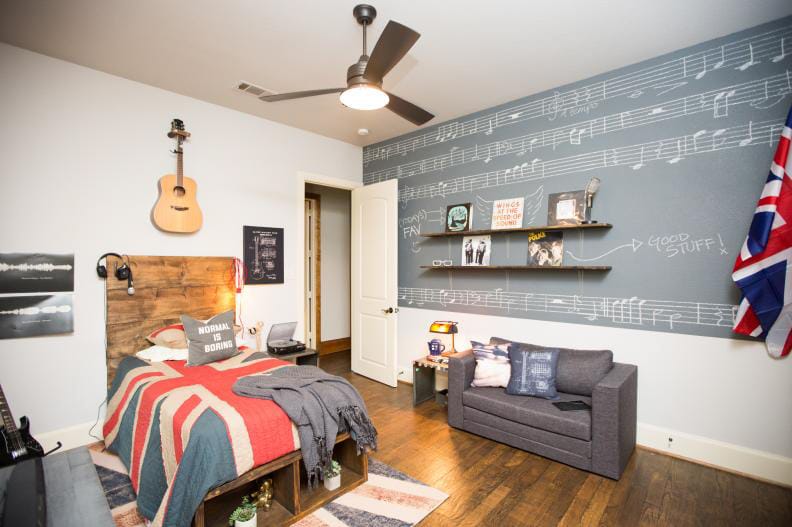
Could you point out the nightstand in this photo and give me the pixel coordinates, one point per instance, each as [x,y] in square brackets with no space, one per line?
[425,377]
[307,356]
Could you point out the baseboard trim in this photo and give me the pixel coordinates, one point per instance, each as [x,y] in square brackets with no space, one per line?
[756,464]
[334,346]
[71,437]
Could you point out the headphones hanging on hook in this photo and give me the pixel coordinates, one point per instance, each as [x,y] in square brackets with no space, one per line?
[124,272]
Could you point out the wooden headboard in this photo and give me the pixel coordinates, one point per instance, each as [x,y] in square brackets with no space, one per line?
[166,287]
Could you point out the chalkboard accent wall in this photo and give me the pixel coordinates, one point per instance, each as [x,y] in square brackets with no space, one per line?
[682,144]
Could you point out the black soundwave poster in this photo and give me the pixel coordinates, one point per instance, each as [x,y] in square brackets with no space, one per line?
[34,315]
[263,255]
[36,273]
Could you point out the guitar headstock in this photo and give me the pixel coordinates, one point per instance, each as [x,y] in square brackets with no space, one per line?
[177,130]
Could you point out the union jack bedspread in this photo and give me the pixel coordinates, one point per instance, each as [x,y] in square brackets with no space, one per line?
[181,431]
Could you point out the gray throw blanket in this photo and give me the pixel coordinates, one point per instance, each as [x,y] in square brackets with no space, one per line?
[320,405]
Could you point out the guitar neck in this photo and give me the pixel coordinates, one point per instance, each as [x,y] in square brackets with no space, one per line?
[179,167]
[5,412]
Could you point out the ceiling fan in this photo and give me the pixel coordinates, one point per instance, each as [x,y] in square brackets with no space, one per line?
[364,78]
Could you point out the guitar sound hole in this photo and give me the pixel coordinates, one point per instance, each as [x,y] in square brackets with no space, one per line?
[179,191]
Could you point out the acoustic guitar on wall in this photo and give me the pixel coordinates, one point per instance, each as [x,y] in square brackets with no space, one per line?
[176,209]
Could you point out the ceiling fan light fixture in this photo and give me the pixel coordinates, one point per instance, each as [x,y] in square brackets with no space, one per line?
[364,97]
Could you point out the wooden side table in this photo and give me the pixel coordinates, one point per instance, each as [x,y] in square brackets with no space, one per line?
[307,356]
[425,379]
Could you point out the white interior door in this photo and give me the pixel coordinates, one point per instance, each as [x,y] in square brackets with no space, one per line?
[374,281]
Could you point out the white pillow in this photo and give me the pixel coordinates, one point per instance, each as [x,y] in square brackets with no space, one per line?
[493,373]
[162,353]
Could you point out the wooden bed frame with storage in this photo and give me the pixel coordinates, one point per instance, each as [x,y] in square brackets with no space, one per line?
[167,287]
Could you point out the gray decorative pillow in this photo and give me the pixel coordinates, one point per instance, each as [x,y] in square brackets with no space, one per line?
[579,371]
[210,341]
[533,372]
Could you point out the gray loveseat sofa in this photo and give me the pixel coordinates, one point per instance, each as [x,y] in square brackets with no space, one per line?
[600,441]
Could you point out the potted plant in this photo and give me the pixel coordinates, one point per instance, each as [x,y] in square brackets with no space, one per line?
[332,476]
[244,515]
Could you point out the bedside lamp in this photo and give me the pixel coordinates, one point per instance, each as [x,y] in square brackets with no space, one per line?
[445,327]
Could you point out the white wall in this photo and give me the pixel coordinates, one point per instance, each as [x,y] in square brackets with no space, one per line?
[724,401]
[80,155]
[336,225]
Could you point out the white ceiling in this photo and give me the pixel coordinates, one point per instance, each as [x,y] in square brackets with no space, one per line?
[472,54]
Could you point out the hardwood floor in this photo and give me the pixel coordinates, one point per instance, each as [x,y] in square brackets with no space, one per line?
[494,484]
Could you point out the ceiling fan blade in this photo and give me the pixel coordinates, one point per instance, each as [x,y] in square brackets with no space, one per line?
[394,43]
[408,110]
[298,94]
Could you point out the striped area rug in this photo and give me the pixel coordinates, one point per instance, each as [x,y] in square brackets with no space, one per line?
[389,498]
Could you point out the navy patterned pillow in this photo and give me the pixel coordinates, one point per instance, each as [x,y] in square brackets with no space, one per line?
[533,372]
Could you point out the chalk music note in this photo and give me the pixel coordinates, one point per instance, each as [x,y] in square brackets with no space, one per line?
[715,134]
[533,166]
[750,62]
[703,71]
[748,140]
[678,157]
[657,111]
[768,102]
[720,104]
[718,65]
[695,139]
[612,154]
[779,58]
[640,163]
[489,131]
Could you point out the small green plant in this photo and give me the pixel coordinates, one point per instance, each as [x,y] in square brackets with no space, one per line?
[243,513]
[334,469]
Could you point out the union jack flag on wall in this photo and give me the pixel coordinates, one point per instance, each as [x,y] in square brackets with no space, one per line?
[763,270]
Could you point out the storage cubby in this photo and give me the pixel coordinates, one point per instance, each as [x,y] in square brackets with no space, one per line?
[292,496]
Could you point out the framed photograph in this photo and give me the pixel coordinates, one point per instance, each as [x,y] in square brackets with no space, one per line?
[263,255]
[507,213]
[458,218]
[476,250]
[546,248]
[36,273]
[35,315]
[566,208]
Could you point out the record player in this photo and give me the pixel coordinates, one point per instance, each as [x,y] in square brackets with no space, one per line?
[280,341]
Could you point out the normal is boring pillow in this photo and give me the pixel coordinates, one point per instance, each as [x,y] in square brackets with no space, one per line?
[211,340]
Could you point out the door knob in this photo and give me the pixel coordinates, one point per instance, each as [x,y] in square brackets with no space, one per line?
[388,311]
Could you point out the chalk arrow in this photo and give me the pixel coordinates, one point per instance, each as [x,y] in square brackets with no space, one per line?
[635,245]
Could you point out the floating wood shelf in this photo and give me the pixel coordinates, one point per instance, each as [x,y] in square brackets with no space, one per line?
[519,267]
[521,229]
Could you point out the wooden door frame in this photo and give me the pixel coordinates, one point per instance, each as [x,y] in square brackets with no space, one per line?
[326,181]
[317,310]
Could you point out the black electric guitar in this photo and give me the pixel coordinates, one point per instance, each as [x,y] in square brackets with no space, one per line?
[17,443]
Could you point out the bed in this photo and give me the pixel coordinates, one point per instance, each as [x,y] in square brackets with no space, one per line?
[192,446]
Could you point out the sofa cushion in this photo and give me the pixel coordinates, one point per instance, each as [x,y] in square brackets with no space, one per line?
[578,370]
[556,442]
[532,411]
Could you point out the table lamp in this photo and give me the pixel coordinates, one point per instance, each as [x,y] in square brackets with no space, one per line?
[445,327]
